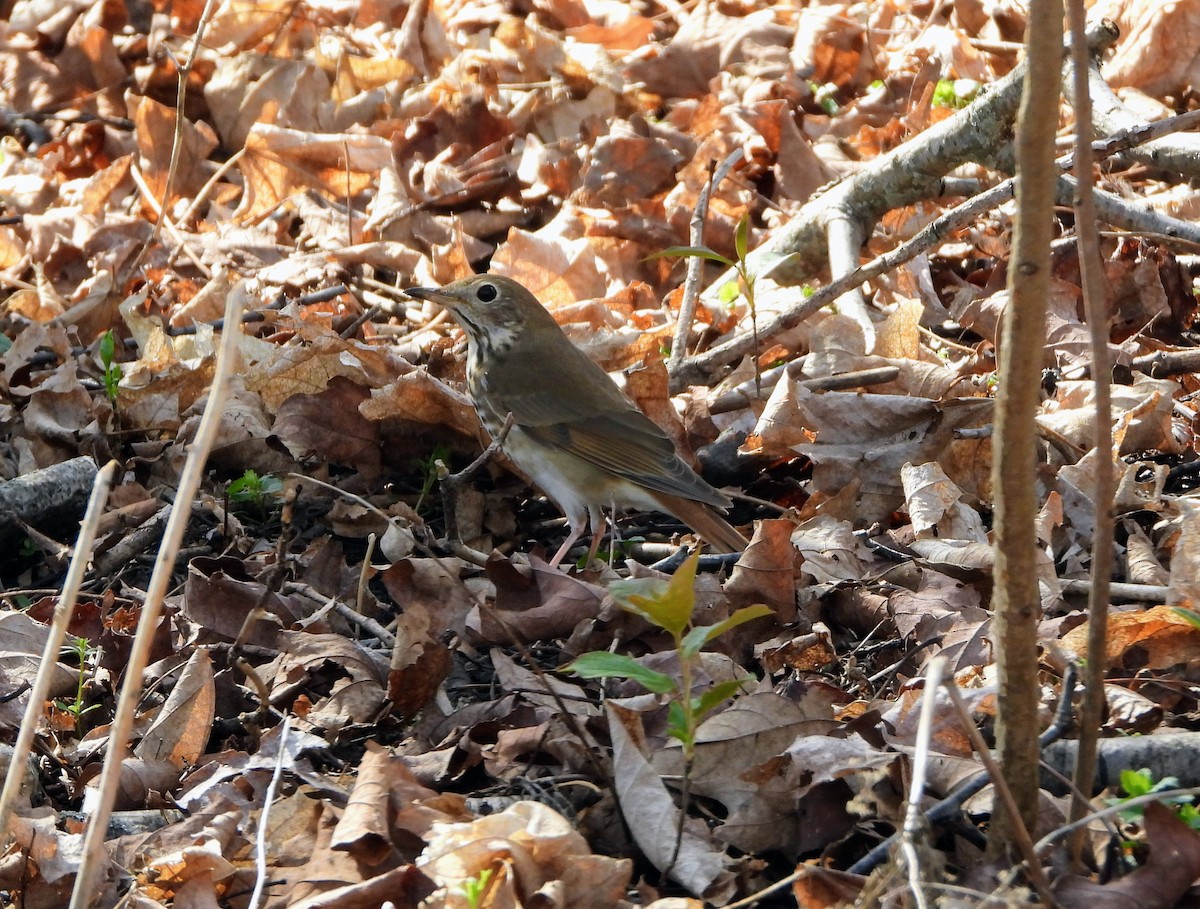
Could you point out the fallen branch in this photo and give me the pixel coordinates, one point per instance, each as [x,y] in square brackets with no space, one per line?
[913,172]
[1176,154]
[696,370]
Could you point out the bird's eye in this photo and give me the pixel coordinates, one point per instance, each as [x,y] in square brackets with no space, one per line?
[486,293]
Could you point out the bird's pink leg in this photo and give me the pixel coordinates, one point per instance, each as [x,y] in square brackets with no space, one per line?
[599,526]
[593,517]
[577,524]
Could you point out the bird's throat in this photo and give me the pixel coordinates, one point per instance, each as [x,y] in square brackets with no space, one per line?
[487,354]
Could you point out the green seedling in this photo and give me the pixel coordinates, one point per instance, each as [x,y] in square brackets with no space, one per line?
[955,93]
[473,889]
[429,473]
[824,95]
[85,655]
[668,604]
[253,492]
[730,291]
[112,369]
[1136,783]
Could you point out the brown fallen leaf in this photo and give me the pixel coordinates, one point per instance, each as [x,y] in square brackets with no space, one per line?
[1171,867]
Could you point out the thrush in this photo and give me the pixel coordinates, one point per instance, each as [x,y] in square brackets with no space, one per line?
[573,431]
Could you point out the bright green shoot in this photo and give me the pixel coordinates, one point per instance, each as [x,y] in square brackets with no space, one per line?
[826,95]
[1189,615]
[112,369]
[668,604]
[475,888]
[429,473]
[84,654]
[729,292]
[955,93]
[1135,783]
[258,493]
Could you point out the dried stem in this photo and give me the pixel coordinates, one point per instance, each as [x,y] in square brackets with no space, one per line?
[1102,472]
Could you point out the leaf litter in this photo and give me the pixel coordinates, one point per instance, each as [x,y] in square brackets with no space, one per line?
[434,753]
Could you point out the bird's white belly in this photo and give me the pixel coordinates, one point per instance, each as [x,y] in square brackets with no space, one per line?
[572,483]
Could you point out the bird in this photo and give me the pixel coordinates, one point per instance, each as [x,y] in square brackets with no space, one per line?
[573,431]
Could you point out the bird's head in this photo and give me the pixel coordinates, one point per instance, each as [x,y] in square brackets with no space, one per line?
[493,310]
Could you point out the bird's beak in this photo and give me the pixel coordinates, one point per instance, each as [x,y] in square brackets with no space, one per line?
[432,294]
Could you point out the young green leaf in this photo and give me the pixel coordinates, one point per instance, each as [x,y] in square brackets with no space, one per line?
[604,665]
[677,727]
[670,606]
[695,639]
[741,238]
[1188,615]
[716,695]
[693,252]
[108,348]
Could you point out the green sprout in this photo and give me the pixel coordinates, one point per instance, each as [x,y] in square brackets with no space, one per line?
[824,94]
[669,604]
[112,369]
[473,889]
[85,655]
[1137,783]
[732,290]
[429,472]
[255,493]
[955,93]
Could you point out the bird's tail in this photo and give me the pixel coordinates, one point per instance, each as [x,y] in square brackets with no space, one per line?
[705,520]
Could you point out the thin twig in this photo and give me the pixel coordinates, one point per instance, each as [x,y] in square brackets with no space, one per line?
[1004,796]
[802,871]
[1135,593]
[952,804]
[118,741]
[695,264]
[261,874]
[209,185]
[143,187]
[1166,796]
[1095,305]
[177,140]
[694,369]
[465,475]
[920,771]
[568,718]
[451,483]
[63,611]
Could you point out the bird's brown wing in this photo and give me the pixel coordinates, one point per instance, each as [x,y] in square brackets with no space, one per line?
[623,442]
[561,385]
[597,423]
[632,447]
[629,445]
